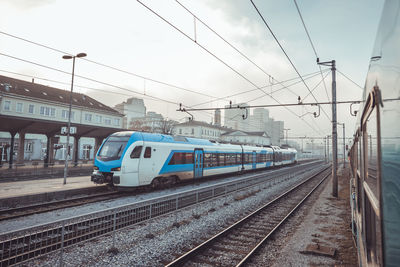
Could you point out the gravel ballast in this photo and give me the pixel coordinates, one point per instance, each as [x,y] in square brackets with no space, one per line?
[156,242]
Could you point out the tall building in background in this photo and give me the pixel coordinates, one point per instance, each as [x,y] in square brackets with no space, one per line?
[258,121]
[276,131]
[132,108]
[233,117]
[217,118]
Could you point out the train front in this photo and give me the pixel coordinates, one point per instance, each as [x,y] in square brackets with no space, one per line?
[108,160]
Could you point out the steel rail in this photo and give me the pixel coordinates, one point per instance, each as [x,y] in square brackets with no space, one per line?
[206,244]
[12,213]
[25,244]
[262,242]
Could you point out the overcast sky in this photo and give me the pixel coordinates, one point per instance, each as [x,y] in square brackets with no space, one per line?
[127,36]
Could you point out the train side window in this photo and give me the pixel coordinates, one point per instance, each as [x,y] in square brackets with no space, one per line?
[147,152]
[136,152]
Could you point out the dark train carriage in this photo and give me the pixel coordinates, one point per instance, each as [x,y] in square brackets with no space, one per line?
[375,154]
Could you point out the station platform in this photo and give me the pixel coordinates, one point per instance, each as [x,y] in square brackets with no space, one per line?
[323,236]
[41,190]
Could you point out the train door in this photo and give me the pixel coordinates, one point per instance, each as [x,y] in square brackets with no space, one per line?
[198,162]
[254,157]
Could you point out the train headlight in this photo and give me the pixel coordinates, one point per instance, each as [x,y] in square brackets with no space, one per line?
[116,169]
[95,168]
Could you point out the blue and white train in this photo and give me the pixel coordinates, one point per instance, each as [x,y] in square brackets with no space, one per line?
[131,159]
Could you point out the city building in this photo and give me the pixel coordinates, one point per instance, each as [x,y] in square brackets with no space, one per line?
[259,120]
[217,118]
[199,129]
[233,117]
[31,111]
[133,108]
[248,138]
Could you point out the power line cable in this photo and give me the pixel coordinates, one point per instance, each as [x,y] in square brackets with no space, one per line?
[252,90]
[216,57]
[323,78]
[231,45]
[344,75]
[201,46]
[312,45]
[97,81]
[87,78]
[287,56]
[105,65]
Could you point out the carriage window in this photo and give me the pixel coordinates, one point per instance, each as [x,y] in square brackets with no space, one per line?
[181,158]
[136,152]
[147,152]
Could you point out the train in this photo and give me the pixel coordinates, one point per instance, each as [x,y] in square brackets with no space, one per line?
[130,159]
[375,151]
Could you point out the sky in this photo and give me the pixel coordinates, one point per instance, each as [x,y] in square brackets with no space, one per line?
[152,53]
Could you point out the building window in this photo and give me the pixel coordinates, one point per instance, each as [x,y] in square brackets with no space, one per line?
[31,109]
[107,121]
[19,107]
[64,114]
[98,119]
[47,111]
[180,131]
[88,117]
[116,122]
[192,130]
[7,105]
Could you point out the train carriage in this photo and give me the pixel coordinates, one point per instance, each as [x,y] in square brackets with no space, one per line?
[131,159]
[375,153]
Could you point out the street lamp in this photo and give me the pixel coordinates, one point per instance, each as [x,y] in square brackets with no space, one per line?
[70,111]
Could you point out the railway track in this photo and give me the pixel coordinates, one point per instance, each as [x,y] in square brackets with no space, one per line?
[24,244]
[13,213]
[17,212]
[237,244]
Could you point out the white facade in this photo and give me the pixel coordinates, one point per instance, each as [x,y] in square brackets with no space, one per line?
[276,131]
[198,129]
[258,121]
[133,108]
[233,117]
[249,138]
[23,107]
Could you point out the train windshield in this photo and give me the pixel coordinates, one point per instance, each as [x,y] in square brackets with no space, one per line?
[113,148]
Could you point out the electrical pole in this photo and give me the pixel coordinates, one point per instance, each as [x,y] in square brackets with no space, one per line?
[344,144]
[332,64]
[325,148]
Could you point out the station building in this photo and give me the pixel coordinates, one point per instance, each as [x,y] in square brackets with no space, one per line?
[30,112]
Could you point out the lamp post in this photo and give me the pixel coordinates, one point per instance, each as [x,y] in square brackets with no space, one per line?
[70,110]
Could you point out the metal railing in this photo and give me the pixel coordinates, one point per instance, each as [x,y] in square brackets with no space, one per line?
[21,245]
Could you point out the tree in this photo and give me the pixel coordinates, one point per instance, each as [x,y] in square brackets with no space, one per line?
[167,126]
[139,125]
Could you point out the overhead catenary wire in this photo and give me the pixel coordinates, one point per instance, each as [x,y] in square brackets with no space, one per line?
[106,66]
[219,59]
[287,56]
[91,88]
[312,45]
[237,50]
[344,75]
[89,79]
[309,76]
[231,45]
